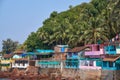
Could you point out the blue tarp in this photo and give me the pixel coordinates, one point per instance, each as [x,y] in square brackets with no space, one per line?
[38,51]
[23,55]
[28,53]
[44,51]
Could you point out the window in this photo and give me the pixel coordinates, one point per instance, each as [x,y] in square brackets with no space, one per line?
[104,64]
[98,47]
[86,63]
[91,63]
[70,54]
[75,54]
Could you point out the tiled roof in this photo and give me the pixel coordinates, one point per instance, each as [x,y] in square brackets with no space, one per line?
[8,55]
[111,58]
[77,49]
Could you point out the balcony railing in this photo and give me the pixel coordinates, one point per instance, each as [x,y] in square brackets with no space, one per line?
[72,64]
[49,64]
[17,65]
[110,52]
[93,53]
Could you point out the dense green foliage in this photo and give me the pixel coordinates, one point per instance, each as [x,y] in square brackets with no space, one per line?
[34,42]
[9,46]
[87,23]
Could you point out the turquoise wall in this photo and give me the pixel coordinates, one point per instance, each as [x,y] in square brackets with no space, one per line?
[110,49]
[99,63]
[106,66]
[72,63]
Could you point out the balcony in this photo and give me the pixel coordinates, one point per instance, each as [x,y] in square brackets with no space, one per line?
[49,64]
[93,53]
[17,65]
[110,52]
[110,49]
[72,64]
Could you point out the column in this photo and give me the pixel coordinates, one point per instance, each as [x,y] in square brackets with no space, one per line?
[107,64]
[114,65]
[94,63]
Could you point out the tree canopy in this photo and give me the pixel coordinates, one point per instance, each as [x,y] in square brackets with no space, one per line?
[9,46]
[87,23]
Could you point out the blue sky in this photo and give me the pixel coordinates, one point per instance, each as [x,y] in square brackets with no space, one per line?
[18,18]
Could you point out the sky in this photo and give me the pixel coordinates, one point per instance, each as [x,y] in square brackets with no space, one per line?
[18,18]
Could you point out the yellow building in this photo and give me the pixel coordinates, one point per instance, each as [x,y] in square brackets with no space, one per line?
[5,63]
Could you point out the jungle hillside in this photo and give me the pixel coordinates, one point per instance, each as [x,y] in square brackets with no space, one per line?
[88,23]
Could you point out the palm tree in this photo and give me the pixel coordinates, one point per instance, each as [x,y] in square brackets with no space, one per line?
[110,23]
[94,32]
[115,17]
[59,33]
[42,33]
[99,4]
[74,32]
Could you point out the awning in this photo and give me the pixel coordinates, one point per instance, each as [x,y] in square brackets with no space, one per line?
[16,57]
[111,58]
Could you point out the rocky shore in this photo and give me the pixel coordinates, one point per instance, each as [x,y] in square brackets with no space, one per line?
[31,73]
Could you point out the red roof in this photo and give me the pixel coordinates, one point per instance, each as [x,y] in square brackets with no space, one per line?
[78,49]
[8,55]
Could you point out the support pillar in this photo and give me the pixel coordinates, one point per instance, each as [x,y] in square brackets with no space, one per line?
[94,63]
[107,64]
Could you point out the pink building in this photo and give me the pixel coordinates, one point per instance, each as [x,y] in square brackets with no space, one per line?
[92,58]
[95,51]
